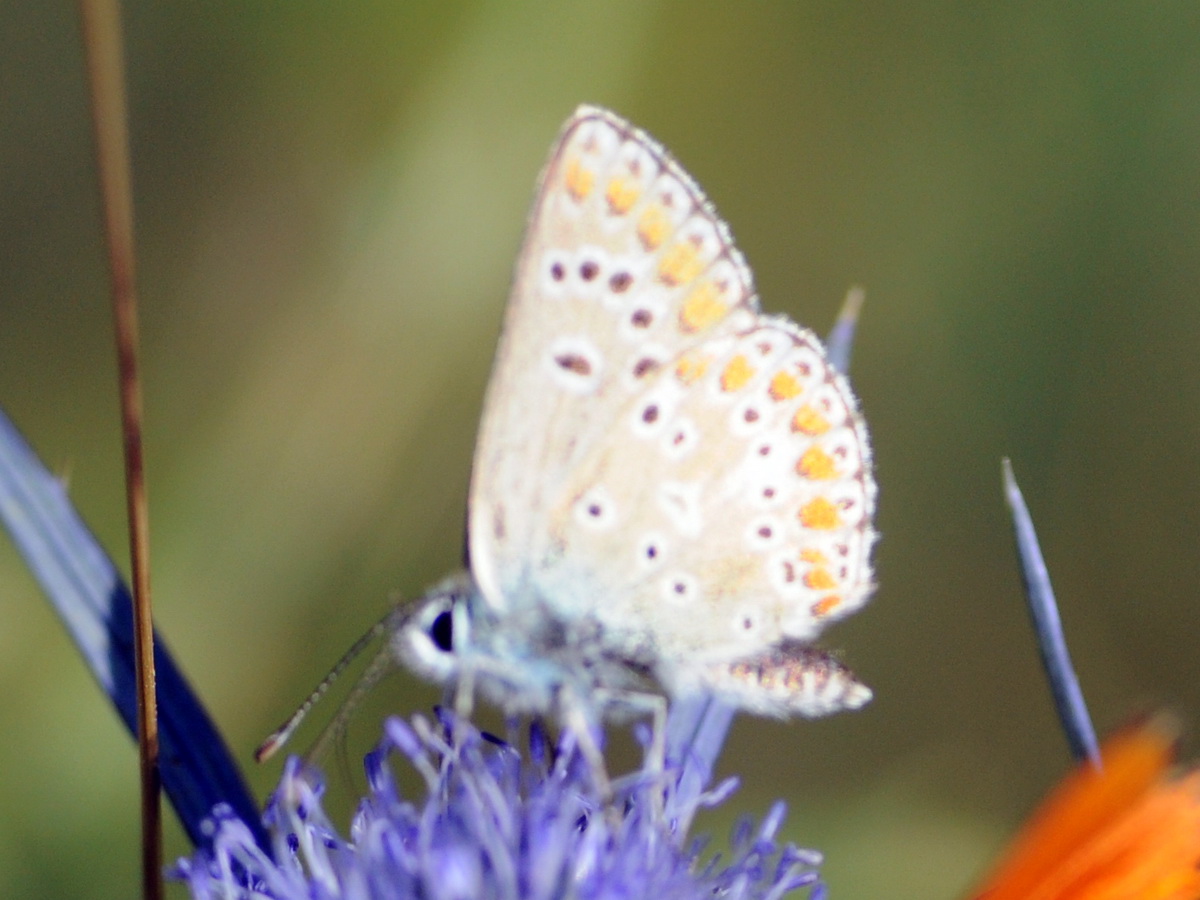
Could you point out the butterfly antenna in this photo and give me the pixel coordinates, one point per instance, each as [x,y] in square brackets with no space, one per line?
[284,732]
[383,663]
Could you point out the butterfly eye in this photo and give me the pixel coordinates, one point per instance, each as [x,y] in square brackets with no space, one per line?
[442,632]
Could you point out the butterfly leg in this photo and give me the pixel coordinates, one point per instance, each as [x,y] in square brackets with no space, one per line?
[651,706]
[575,716]
[460,696]
[655,708]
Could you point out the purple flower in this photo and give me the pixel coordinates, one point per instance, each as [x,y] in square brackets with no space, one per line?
[494,822]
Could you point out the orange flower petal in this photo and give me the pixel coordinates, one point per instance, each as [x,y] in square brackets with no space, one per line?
[1126,831]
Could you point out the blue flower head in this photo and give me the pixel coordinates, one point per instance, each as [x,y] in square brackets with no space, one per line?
[494,822]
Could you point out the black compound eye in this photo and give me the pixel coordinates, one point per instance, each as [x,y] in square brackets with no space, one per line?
[442,632]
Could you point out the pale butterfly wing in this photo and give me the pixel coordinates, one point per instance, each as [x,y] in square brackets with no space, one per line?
[730,507]
[733,511]
[656,456]
[624,267]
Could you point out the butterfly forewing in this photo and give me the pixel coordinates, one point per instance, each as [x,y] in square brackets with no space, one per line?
[623,269]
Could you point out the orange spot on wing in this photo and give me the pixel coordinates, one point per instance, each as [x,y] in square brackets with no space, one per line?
[812,555]
[820,579]
[1128,830]
[653,227]
[702,309]
[825,606]
[691,368]
[784,386]
[808,421]
[817,465]
[680,264]
[820,515]
[580,180]
[621,195]
[736,374]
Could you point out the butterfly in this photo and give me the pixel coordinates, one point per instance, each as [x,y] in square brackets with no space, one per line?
[672,492]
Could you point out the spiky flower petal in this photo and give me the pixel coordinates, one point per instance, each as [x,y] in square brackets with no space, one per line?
[493,823]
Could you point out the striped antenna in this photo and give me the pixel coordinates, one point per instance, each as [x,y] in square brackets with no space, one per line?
[378,668]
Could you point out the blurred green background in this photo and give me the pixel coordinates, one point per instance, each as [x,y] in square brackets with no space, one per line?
[331,198]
